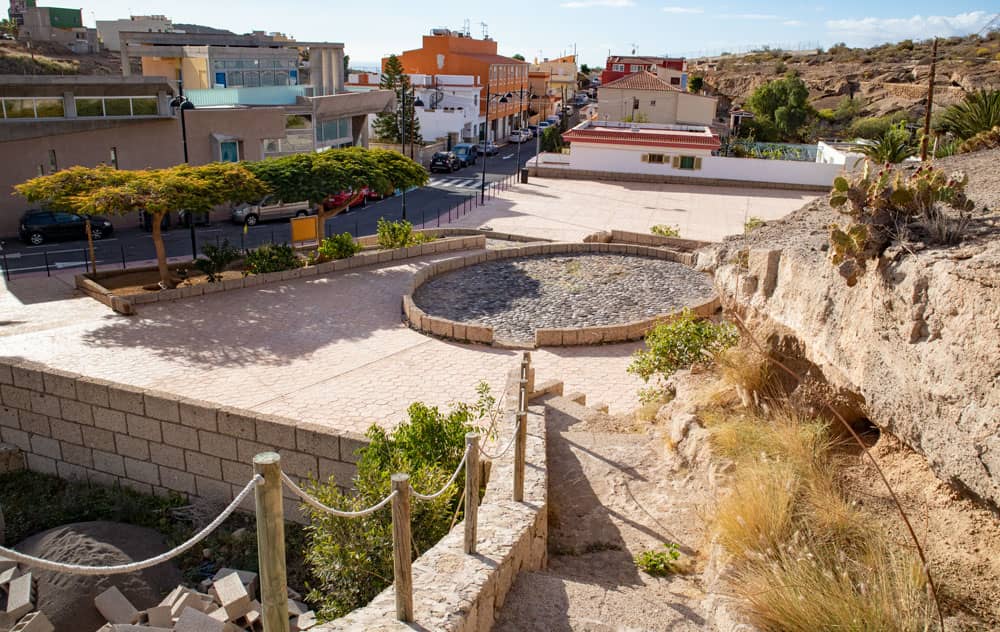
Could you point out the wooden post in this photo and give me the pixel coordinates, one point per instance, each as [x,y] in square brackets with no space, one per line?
[271,542]
[520,440]
[401,562]
[930,103]
[471,491]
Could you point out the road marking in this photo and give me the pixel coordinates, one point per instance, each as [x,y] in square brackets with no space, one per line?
[14,255]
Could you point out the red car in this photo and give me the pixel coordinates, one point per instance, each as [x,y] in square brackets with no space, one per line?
[352,199]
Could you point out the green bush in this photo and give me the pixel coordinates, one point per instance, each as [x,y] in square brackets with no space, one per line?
[677,344]
[659,563]
[351,558]
[665,230]
[874,127]
[339,246]
[271,258]
[398,234]
[217,259]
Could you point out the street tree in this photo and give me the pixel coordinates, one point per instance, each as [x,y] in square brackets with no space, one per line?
[696,84]
[388,125]
[783,103]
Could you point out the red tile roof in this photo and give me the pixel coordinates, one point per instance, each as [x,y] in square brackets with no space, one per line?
[490,58]
[664,138]
[642,80]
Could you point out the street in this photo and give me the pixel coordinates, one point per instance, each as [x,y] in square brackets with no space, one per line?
[430,205]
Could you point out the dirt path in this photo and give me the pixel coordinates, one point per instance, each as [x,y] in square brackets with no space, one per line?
[612,494]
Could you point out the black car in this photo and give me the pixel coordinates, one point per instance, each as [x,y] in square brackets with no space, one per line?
[445,161]
[37,227]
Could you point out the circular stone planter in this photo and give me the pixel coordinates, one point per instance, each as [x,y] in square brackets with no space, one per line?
[557,294]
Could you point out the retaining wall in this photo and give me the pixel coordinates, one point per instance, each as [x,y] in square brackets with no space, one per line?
[648,239]
[455,592]
[567,172]
[90,283]
[89,429]
[482,334]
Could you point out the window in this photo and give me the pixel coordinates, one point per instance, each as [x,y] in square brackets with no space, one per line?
[229,151]
[654,158]
[89,107]
[114,157]
[117,107]
[652,103]
[618,67]
[144,106]
[19,108]
[687,162]
[637,68]
[49,108]
[675,81]
[53,165]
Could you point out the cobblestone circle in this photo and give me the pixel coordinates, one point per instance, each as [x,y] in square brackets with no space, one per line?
[517,296]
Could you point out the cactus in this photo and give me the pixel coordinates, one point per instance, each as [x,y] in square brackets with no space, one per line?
[880,203]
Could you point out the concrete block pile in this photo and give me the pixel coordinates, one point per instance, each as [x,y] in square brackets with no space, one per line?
[228,602]
[17,601]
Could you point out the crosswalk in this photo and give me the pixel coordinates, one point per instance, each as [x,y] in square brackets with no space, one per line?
[454,182]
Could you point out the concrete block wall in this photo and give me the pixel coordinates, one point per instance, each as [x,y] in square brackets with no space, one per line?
[89,429]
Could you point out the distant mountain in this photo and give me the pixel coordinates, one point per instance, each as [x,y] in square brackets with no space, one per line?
[197,28]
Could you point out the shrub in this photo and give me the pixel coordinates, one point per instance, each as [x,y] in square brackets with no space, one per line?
[398,234]
[664,230]
[989,139]
[352,557]
[216,260]
[882,205]
[979,112]
[339,246]
[271,258]
[752,224]
[660,563]
[677,344]
[872,127]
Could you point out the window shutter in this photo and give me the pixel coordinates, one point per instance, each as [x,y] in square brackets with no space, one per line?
[676,162]
[697,163]
[645,157]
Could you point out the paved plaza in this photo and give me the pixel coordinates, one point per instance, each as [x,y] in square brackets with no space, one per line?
[333,349]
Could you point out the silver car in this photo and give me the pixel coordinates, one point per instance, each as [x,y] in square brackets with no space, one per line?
[267,209]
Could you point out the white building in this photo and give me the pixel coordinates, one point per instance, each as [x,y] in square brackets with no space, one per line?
[109,31]
[450,104]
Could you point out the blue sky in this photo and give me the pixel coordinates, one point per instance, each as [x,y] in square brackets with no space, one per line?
[549,28]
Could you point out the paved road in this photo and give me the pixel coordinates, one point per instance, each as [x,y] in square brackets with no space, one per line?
[439,202]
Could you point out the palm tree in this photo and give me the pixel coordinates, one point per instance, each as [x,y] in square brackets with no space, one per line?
[894,147]
[980,111]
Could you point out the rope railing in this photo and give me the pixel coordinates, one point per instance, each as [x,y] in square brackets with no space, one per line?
[447,485]
[119,569]
[313,502]
[510,443]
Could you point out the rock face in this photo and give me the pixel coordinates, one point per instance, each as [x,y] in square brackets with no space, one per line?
[918,338]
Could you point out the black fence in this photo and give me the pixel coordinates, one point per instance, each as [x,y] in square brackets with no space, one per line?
[138,250]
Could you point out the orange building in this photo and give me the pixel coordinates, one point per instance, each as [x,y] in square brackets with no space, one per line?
[446,52]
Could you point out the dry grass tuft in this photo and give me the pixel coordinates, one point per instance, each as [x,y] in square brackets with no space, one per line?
[747,371]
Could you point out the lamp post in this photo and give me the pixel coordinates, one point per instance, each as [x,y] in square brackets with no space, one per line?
[182,103]
[402,122]
[486,136]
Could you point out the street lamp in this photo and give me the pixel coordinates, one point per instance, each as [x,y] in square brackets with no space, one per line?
[486,134]
[416,102]
[182,103]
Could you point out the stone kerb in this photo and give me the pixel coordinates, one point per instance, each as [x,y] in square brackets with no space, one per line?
[90,285]
[464,593]
[83,428]
[467,332]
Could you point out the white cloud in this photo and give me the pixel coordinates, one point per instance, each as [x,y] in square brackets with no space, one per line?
[587,4]
[682,10]
[878,30]
[792,22]
[750,16]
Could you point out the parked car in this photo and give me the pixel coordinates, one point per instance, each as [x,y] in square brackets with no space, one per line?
[200,218]
[517,136]
[445,162]
[356,199]
[38,226]
[530,133]
[542,126]
[467,153]
[533,129]
[488,148]
[553,120]
[269,208]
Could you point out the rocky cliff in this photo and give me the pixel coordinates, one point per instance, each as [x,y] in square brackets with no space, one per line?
[917,339]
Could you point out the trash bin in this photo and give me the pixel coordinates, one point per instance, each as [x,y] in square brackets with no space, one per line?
[524,175]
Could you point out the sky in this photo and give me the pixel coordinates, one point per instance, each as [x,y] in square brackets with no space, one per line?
[550,28]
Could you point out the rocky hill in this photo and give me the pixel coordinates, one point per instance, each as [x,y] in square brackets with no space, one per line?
[53,59]
[889,78]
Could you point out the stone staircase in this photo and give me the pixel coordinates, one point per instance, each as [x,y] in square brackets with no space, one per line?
[611,495]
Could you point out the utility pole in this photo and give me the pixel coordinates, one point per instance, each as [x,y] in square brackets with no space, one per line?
[930,104]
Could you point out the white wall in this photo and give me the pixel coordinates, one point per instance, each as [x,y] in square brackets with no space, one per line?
[629,160]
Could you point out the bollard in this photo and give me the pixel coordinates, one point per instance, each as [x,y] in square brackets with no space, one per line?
[401,560]
[271,542]
[471,491]
[521,440]
[45,253]
[123,258]
[6,267]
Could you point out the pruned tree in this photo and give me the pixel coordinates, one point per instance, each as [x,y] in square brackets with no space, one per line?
[783,103]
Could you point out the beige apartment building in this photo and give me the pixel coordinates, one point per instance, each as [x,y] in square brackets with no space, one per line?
[644,97]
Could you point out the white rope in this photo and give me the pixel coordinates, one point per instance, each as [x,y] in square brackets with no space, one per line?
[76,569]
[312,502]
[446,485]
[513,437]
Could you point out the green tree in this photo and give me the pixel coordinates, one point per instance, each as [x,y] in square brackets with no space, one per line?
[9,27]
[388,124]
[517,56]
[106,191]
[782,102]
[696,84]
[979,112]
[552,140]
[585,69]
[894,146]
